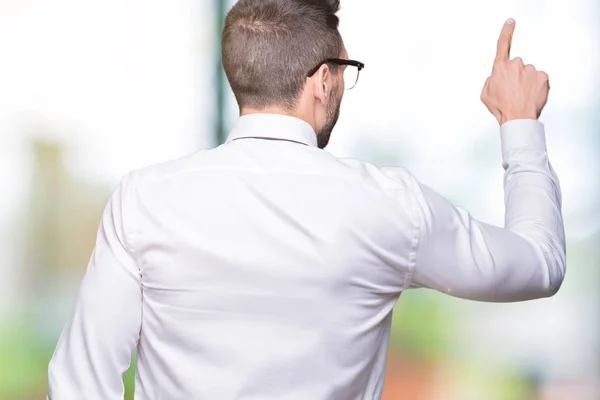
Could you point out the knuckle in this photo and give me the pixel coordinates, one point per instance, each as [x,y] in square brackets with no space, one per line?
[544,76]
[517,61]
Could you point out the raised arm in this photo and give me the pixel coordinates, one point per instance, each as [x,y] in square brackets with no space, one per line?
[463,257]
[95,346]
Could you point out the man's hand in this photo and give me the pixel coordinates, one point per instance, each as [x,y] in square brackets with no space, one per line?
[514,90]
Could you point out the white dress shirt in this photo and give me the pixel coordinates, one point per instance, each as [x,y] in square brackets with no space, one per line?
[267,268]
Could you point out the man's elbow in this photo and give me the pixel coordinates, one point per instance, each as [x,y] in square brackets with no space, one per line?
[558,280]
[546,279]
[556,265]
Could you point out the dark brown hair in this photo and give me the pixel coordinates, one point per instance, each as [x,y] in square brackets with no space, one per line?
[270,45]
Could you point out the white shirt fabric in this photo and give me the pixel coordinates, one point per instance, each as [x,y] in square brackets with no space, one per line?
[268,269]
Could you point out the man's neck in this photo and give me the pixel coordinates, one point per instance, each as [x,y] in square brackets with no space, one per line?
[266,110]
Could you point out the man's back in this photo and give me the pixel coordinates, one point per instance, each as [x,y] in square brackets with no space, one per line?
[258,276]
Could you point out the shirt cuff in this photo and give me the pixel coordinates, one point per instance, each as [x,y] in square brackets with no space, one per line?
[522,134]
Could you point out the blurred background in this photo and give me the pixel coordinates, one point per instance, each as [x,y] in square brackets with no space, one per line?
[92,89]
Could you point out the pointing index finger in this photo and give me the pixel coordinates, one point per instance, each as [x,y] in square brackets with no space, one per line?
[505,40]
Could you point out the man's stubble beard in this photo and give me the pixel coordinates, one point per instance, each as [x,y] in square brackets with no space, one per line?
[332,114]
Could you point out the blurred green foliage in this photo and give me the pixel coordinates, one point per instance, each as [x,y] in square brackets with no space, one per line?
[24,362]
[421,324]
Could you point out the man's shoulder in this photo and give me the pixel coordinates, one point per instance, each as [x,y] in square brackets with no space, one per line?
[392,178]
[159,171]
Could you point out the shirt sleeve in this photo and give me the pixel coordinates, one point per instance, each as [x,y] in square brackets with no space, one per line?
[525,260]
[94,349]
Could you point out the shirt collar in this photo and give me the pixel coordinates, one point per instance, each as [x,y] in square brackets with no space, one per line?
[274,126]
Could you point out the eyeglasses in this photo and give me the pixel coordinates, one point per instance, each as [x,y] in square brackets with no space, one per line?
[350,74]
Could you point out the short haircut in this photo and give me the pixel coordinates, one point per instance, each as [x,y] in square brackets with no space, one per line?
[269,46]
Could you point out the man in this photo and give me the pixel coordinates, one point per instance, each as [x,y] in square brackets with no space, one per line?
[267,268]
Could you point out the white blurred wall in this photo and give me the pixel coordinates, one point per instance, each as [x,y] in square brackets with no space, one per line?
[121,84]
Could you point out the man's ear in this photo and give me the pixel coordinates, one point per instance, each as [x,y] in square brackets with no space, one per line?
[322,86]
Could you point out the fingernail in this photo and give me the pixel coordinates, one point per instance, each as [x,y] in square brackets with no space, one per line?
[510,21]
